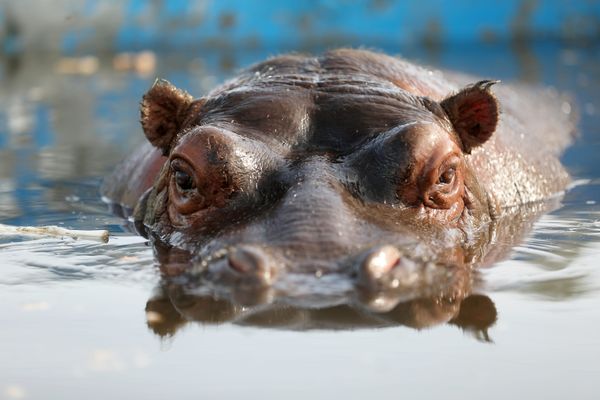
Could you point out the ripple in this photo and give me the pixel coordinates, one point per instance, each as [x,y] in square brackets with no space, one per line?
[48,260]
[559,260]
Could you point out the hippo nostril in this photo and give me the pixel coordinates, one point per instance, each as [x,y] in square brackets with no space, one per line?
[381,261]
[246,260]
[251,261]
[376,276]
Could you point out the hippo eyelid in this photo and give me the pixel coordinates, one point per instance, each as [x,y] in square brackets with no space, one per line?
[452,165]
[447,176]
[180,167]
[184,181]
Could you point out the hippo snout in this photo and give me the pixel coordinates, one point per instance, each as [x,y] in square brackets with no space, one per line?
[381,276]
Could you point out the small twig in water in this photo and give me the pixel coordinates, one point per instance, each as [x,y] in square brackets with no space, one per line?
[101,235]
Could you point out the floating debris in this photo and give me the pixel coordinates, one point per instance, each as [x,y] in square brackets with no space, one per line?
[56,231]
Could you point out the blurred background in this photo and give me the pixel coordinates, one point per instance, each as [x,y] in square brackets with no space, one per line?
[74,27]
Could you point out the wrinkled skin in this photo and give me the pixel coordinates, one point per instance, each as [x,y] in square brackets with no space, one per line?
[305,179]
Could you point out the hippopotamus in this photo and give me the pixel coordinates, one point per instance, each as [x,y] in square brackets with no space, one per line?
[352,171]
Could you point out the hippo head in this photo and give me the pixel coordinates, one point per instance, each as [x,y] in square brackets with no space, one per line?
[321,166]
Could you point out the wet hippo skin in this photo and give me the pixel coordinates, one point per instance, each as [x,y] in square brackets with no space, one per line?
[352,177]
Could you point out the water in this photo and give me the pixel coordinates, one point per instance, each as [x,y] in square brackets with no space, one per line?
[79,318]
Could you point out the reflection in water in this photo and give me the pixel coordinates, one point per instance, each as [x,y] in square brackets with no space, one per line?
[171,307]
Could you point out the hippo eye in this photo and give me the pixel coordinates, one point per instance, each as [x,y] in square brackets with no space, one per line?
[183,180]
[442,186]
[447,176]
[181,177]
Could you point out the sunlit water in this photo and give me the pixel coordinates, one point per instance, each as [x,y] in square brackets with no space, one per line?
[73,313]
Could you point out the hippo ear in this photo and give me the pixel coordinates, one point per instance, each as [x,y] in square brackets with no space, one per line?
[163,111]
[474,113]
